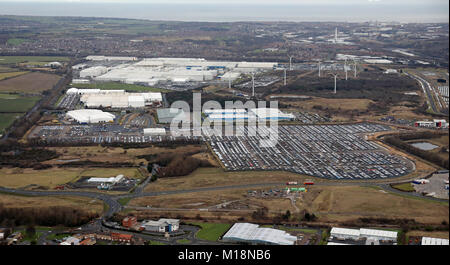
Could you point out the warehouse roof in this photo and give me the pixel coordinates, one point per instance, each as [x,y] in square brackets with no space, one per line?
[223,111]
[90,115]
[107,180]
[377,233]
[434,241]
[271,113]
[345,231]
[253,233]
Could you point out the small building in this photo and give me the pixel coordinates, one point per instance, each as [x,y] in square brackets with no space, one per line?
[441,124]
[54,65]
[369,236]
[429,241]
[376,234]
[428,124]
[112,180]
[71,241]
[391,71]
[129,221]
[126,238]
[154,131]
[162,225]
[345,233]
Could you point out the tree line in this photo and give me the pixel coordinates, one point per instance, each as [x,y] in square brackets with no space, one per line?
[44,216]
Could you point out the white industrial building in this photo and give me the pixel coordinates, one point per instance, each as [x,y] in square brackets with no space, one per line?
[151,71]
[93,71]
[120,100]
[90,116]
[363,233]
[154,131]
[162,225]
[224,111]
[272,114]
[252,233]
[80,81]
[110,58]
[96,98]
[111,180]
[378,61]
[230,76]
[431,241]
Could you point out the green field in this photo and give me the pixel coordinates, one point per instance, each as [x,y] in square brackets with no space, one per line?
[6,119]
[183,241]
[11,74]
[404,187]
[155,243]
[211,231]
[16,41]
[115,85]
[22,59]
[58,236]
[16,103]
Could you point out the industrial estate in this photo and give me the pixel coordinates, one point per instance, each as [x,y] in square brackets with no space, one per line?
[89,154]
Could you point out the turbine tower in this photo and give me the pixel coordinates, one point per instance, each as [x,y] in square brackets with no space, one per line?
[285,76]
[290,63]
[335,74]
[319,68]
[345,68]
[354,65]
[253,84]
[335,81]
[335,35]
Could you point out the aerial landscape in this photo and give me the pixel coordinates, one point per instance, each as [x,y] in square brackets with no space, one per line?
[132,130]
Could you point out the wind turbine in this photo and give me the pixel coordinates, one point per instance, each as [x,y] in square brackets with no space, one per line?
[253,84]
[319,68]
[335,74]
[354,64]
[290,63]
[345,68]
[285,76]
[336,35]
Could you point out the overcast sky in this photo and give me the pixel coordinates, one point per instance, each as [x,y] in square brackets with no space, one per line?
[297,2]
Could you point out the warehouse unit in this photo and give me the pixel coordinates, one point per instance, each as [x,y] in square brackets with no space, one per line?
[253,234]
[119,99]
[111,180]
[110,58]
[378,234]
[93,71]
[431,241]
[90,116]
[272,114]
[231,117]
[362,235]
[154,131]
[162,225]
[345,233]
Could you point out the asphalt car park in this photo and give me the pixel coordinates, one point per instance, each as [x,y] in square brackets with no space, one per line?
[326,151]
